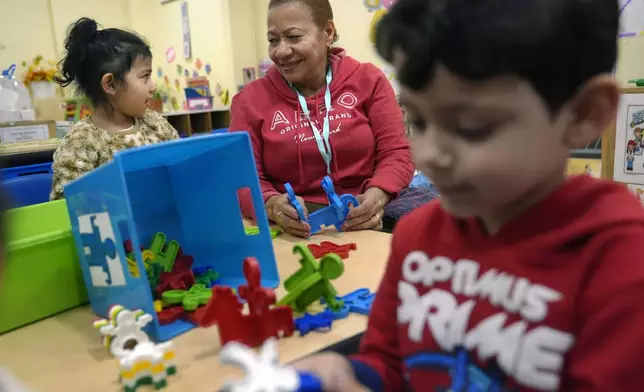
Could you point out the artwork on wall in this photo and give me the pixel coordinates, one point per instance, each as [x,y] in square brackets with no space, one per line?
[638,191]
[629,143]
[630,18]
[375,5]
[170,55]
[185,24]
[198,64]
[208,69]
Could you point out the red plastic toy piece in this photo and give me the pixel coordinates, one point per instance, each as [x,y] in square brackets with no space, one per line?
[182,263]
[175,280]
[326,247]
[259,298]
[170,315]
[262,322]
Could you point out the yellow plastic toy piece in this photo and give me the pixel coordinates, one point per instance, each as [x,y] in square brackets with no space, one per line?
[158,306]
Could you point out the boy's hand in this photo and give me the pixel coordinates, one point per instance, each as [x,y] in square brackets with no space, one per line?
[335,372]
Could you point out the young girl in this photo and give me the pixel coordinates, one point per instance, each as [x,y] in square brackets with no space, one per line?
[113,69]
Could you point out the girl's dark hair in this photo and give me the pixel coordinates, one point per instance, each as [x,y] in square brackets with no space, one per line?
[92,53]
[556,45]
[321,11]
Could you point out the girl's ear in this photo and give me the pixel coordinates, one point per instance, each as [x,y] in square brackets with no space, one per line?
[107,84]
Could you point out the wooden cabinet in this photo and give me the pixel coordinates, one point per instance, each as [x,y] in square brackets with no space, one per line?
[191,122]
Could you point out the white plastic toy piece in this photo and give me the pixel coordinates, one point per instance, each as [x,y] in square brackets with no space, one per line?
[263,372]
[125,328]
[140,360]
[147,363]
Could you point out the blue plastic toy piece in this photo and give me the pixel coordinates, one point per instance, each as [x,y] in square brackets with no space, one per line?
[335,214]
[296,204]
[164,188]
[358,301]
[314,322]
[309,382]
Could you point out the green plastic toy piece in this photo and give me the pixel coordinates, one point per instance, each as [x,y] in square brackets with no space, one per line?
[254,230]
[312,281]
[208,278]
[191,299]
[154,271]
[164,254]
[637,82]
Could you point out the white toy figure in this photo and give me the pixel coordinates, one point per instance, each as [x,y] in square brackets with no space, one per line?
[263,372]
[140,360]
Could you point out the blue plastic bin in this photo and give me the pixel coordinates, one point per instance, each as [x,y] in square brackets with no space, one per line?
[186,189]
[19,171]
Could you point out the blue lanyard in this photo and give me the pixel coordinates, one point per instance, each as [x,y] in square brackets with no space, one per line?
[321,139]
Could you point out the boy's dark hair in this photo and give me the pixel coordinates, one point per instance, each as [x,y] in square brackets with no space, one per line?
[321,11]
[92,53]
[556,45]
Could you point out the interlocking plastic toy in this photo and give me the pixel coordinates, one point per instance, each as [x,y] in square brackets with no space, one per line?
[263,319]
[358,301]
[191,299]
[141,362]
[314,322]
[326,247]
[313,281]
[263,373]
[335,214]
[164,254]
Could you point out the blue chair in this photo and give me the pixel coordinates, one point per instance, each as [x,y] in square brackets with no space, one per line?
[219,130]
[27,190]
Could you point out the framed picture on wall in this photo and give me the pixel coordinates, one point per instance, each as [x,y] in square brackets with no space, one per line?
[629,142]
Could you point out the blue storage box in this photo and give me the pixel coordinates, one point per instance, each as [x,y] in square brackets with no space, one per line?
[20,171]
[187,189]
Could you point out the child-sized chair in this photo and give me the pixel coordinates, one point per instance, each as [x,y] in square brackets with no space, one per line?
[27,190]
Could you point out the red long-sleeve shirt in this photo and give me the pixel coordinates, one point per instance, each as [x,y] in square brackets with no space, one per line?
[367,133]
[552,302]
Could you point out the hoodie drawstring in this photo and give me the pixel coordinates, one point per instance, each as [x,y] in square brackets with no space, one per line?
[300,173]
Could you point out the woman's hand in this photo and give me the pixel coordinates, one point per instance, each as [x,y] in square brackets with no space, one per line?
[282,212]
[333,370]
[368,215]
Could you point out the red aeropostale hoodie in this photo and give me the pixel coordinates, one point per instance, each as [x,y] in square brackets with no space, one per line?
[553,302]
[367,133]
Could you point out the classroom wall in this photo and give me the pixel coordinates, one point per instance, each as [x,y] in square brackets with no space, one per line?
[630,64]
[38,27]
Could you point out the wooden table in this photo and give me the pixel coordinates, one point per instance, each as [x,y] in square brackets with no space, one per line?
[64,353]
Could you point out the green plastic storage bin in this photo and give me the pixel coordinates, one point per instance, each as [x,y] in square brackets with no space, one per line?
[41,275]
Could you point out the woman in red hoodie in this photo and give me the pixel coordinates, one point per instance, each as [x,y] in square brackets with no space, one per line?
[319,112]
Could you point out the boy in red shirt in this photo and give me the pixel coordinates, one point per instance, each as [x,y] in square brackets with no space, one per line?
[519,278]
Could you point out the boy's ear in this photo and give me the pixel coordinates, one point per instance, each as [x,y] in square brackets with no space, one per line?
[593,109]
[108,84]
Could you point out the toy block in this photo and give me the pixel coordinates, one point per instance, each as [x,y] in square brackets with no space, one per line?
[314,322]
[190,300]
[358,301]
[262,371]
[262,321]
[335,214]
[326,247]
[313,281]
[141,362]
